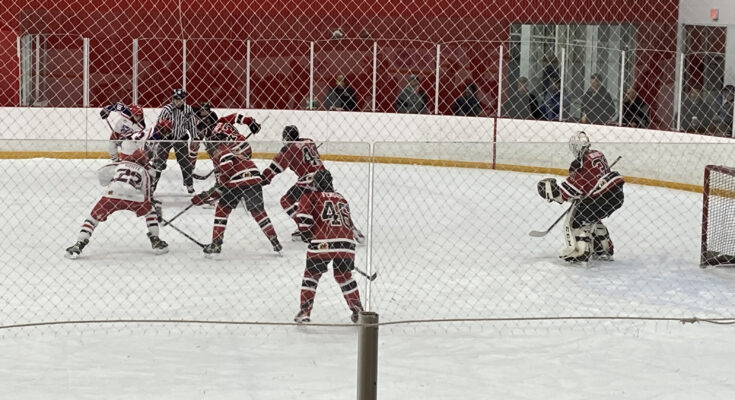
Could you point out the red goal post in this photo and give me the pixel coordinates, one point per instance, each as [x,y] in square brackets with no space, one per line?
[718,216]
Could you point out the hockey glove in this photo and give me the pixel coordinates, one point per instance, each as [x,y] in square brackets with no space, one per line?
[104,113]
[549,190]
[254,127]
[205,197]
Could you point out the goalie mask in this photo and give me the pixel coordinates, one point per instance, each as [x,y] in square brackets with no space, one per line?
[579,143]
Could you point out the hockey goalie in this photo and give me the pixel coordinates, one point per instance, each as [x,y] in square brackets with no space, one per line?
[595,192]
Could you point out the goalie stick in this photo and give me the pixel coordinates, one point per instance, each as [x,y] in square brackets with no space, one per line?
[544,233]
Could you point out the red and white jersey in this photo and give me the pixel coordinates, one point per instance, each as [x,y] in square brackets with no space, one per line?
[234,170]
[301,157]
[125,181]
[124,128]
[226,131]
[326,215]
[589,176]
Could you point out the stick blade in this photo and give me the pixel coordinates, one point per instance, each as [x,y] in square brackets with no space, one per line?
[537,233]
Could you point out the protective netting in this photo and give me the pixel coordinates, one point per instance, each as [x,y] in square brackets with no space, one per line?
[611,63]
[718,242]
[436,119]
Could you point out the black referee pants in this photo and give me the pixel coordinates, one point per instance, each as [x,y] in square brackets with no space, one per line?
[181,149]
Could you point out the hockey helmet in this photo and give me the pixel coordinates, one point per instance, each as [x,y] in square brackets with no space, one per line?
[136,111]
[290,133]
[323,181]
[579,143]
[179,94]
[133,151]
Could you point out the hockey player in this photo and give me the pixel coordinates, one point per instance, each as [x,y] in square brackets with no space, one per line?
[595,192]
[324,219]
[301,156]
[238,179]
[131,122]
[127,188]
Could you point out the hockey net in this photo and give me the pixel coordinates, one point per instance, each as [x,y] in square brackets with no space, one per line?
[718,216]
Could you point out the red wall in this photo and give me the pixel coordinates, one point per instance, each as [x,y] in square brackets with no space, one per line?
[407,33]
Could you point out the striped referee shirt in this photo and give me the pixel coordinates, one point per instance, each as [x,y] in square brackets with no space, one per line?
[182,120]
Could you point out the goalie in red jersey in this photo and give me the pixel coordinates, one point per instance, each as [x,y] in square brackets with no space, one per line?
[300,155]
[324,219]
[595,192]
[238,179]
[127,188]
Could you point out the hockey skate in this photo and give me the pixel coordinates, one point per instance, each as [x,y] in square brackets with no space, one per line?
[277,247]
[158,245]
[190,189]
[302,317]
[213,249]
[74,251]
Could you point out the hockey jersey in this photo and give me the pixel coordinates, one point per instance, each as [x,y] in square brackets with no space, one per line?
[301,157]
[325,218]
[589,176]
[125,180]
[234,170]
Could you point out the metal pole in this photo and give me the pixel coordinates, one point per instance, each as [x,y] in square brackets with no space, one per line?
[85,72]
[311,75]
[436,79]
[183,63]
[375,73]
[679,91]
[561,84]
[367,357]
[135,71]
[622,87]
[20,71]
[500,80]
[38,70]
[247,76]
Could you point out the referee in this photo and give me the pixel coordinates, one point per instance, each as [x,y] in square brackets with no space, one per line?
[183,126]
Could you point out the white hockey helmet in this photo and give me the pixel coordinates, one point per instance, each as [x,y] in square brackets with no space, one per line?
[579,143]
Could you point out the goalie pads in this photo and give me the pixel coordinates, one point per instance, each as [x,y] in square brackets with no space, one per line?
[578,241]
[549,190]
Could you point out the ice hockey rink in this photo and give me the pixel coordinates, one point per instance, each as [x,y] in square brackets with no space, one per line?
[447,243]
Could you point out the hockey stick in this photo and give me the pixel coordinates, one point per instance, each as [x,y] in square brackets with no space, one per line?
[544,233]
[363,273]
[186,235]
[166,222]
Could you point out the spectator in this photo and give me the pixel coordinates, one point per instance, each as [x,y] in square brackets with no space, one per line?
[723,117]
[521,103]
[597,104]
[341,97]
[635,110]
[412,98]
[550,73]
[553,101]
[467,103]
[696,112]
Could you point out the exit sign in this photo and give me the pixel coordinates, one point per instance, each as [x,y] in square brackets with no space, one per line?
[714,14]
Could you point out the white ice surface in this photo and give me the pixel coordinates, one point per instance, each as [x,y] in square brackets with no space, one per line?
[447,243]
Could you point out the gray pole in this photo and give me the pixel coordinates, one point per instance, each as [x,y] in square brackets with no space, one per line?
[367,356]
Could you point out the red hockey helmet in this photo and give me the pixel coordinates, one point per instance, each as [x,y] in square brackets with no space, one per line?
[136,111]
